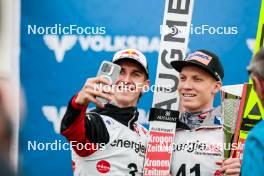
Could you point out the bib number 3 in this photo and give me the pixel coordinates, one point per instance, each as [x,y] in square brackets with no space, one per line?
[133,169]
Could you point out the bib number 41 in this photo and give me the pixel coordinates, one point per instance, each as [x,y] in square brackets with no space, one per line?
[195,169]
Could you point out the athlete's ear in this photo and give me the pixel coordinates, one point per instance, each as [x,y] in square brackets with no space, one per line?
[216,87]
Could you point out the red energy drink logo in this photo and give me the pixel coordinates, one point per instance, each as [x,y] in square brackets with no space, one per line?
[103,166]
[131,53]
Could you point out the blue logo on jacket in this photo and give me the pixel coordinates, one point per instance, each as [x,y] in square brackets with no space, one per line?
[218,120]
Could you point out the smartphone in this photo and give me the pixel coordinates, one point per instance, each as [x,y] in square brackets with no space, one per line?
[111,72]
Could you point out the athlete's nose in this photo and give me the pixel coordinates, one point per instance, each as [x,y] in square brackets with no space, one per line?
[126,78]
[186,84]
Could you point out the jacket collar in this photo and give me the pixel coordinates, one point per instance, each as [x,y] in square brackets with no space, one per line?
[126,116]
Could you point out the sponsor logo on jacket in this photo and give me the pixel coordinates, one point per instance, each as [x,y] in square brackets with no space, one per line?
[137,147]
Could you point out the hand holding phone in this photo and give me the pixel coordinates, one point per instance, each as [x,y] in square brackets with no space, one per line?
[110,72]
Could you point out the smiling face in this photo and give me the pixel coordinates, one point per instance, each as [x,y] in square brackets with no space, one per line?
[131,75]
[197,89]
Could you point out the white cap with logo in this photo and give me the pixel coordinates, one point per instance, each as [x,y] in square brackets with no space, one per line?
[134,55]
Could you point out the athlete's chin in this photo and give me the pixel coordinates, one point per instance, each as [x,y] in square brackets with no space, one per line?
[189,106]
[125,98]
[188,99]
